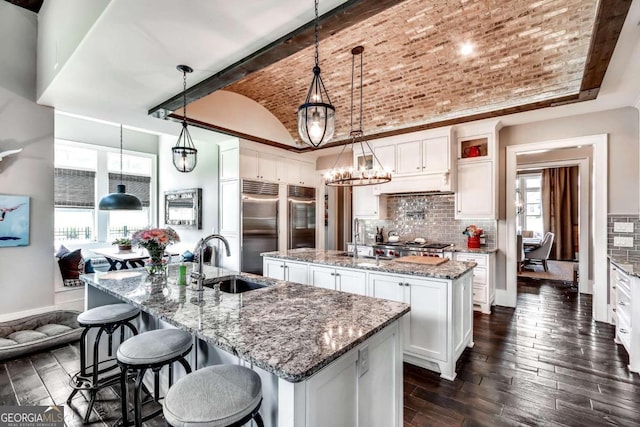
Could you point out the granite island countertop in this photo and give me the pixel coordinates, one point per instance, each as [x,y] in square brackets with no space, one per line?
[450,270]
[288,329]
[630,265]
[480,250]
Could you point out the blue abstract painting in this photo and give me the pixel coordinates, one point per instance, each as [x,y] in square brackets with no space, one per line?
[14,220]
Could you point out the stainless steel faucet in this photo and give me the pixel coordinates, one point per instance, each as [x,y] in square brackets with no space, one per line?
[198,276]
[356,237]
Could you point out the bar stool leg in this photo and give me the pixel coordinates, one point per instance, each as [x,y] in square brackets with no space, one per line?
[137,397]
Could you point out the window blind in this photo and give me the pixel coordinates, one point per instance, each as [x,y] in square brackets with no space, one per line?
[139,186]
[74,188]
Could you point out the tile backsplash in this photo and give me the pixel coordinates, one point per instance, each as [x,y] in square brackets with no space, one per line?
[430,217]
[623,239]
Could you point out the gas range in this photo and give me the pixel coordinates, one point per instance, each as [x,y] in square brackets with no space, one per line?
[399,249]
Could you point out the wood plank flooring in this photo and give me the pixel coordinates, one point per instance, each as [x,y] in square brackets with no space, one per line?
[546,363]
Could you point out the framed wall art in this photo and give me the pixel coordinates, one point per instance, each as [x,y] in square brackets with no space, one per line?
[14,220]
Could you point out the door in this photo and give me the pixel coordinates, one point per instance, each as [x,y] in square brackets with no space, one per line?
[386,287]
[435,155]
[297,272]
[426,331]
[259,230]
[274,269]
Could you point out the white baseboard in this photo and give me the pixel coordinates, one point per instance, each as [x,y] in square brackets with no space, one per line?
[26,313]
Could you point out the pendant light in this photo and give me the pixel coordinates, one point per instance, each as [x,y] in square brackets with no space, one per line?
[120,200]
[369,173]
[316,117]
[185,155]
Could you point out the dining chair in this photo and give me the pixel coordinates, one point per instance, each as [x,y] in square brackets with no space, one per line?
[541,253]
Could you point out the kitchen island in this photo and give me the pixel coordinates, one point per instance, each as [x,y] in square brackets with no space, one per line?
[324,357]
[440,324]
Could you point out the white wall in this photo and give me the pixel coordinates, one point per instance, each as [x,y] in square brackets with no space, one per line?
[26,273]
[204,176]
[62,24]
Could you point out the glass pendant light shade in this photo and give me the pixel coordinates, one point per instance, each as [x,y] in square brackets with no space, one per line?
[185,155]
[316,117]
[120,200]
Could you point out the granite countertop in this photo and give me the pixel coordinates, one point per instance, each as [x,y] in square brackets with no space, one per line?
[629,265]
[449,270]
[288,329]
[480,250]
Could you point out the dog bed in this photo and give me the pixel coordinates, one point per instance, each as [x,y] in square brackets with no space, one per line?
[38,332]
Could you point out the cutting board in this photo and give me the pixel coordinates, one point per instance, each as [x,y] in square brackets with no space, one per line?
[426,260]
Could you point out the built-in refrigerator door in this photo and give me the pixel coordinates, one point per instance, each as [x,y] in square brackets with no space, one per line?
[259,228]
[302,217]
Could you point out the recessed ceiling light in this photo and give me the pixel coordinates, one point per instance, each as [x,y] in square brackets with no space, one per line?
[466,49]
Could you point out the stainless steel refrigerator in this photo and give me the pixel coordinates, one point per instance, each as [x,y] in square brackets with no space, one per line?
[259,223]
[302,217]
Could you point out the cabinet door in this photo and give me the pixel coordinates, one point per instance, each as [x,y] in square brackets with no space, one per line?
[297,272]
[249,164]
[273,268]
[435,155]
[322,277]
[426,332]
[387,157]
[475,196]
[282,169]
[386,287]
[353,281]
[229,163]
[307,174]
[267,166]
[365,203]
[293,172]
[409,158]
[230,199]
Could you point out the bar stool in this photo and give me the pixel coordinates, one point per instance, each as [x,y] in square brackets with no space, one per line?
[150,350]
[220,395]
[108,318]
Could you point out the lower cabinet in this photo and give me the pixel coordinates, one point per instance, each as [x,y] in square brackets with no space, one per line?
[286,270]
[338,279]
[484,284]
[627,313]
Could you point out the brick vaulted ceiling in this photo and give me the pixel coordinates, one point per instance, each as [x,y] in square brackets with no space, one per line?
[527,54]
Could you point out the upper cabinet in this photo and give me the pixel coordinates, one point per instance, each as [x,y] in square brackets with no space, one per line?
[427,156]
[477,169]
[257,165]
[300,172]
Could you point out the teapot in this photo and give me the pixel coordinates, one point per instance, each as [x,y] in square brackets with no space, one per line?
[393,236]
[472,151]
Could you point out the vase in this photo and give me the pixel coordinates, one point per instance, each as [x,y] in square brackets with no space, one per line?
[156,265]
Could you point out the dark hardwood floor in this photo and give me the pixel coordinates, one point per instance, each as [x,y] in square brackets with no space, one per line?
[546,363]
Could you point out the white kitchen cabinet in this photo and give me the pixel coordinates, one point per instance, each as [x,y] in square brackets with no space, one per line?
[366,204]
[613,293]
[286,270]
[627,311]
[386,154]
[475,197]
[257,165]
[229,163]
[484,286]
[439,325]
[428,156]
[229,216]
[338,279]
[301,173]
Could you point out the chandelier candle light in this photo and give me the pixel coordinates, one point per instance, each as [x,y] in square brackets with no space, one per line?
[370,172]
[155,241]
[185,155]
[316,117]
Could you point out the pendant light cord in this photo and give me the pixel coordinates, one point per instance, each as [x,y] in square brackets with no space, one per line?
[120,153]
[315,32]
[184,97]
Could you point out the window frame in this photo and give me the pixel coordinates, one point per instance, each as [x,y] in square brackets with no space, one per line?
[523,189]
[101,218]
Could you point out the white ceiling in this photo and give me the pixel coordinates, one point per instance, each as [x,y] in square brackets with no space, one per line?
[125,65]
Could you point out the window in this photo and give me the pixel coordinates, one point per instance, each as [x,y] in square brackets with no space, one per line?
[530,205]
[85,173]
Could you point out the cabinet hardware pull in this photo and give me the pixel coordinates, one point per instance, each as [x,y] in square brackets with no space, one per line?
[614,309]
[613,287]
[337,274]
[624,331]
[622,303]
[400,284]
[333,274]
[282,266]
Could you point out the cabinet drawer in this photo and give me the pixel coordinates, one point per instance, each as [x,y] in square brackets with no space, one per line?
[479,276]
[623,305]
[480,294]
[622,281]
[481,260]
[623,331]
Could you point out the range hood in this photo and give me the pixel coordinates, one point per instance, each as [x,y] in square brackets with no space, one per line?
[440,183]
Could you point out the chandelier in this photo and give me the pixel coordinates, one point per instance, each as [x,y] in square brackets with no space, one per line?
[185,155]
[370,172]
[316,117]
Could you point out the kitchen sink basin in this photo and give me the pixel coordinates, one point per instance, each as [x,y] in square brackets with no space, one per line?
[235,285]
[350,255]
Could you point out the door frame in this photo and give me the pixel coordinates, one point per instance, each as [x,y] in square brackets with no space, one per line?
[585,204]
[599,226]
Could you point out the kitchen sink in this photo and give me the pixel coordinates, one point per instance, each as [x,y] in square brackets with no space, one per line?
[235,285]
[350,255]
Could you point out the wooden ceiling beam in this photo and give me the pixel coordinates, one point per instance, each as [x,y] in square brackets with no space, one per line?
[332,22]
[32,5]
